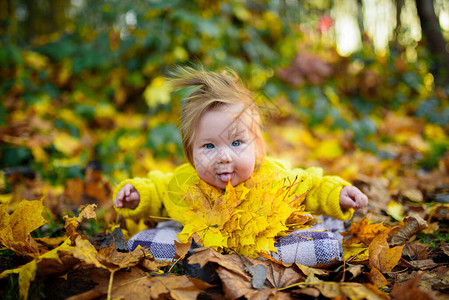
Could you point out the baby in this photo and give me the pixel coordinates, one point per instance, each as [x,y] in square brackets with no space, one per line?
[222,141]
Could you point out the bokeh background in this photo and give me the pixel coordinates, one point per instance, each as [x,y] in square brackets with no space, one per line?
[359,88]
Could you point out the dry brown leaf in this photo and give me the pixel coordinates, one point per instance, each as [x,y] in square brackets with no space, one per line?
[115,260]
[182,249]
[409,290]
[445,248]
[108,258]
[238,282]
[412,226]
[349,290]
[377,277]
[381,256]
[416,250]
[71,224]
[135,284]
[349,273]
[424,264]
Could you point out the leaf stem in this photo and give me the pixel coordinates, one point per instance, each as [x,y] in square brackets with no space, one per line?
[111,278]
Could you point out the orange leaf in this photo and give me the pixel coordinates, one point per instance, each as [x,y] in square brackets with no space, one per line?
[363,232]
[381,256]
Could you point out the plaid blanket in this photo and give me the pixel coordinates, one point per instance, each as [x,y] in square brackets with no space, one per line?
[318,244]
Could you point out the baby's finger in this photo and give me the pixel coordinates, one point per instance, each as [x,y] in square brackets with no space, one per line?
[127,189]
[118,201]
[134,196]
[347,202]
[364,201]
[361,201]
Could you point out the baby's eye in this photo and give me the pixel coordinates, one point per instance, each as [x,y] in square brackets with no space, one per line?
[209,146]
[236,143]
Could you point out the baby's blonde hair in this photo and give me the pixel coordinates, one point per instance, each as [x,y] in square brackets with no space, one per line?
[214,90]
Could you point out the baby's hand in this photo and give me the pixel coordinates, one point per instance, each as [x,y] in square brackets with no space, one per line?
[352,197]
[127,197]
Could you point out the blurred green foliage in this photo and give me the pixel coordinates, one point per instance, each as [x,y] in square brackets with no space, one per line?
[87,78]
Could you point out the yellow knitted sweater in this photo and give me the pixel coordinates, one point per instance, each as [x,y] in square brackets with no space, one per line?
[246,218]
[163,194]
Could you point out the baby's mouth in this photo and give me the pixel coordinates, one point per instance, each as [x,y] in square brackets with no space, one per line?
[226,176]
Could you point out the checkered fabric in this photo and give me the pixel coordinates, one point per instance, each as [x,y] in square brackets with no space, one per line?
[309,246]
[159,241]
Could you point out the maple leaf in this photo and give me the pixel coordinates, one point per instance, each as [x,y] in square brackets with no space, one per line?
[362,232]
[15,229]
[208,213]
[72,224]
[382,258]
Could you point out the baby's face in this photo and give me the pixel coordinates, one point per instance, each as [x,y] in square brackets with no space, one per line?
[223,149]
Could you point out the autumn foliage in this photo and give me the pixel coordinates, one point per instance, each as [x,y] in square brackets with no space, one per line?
[87,106]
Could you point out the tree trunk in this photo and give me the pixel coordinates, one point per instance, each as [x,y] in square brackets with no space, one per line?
[439,64]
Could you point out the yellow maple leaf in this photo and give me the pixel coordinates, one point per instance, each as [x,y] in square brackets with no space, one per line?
[209,211]
[71,224]
[15,229]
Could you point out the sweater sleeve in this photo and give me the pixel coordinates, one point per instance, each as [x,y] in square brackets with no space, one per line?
[322,192]
[151,191]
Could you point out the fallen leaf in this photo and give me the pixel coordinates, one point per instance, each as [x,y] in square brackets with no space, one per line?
[423,264]
[115,260]
[362,232]
[412,226]
[382,258]
[237,280]
[135,284]
[445,248]
[416,250]
[50,242]
[182,248]
[414,195]
[355,252]
[377,277]
[348,290]
[395,209]
[72,224]
[409,290]
[15,229]
[309,270]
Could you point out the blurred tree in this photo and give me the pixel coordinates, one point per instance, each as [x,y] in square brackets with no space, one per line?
[438,47]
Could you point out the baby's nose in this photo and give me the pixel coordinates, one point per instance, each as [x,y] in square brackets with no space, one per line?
[225,155]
